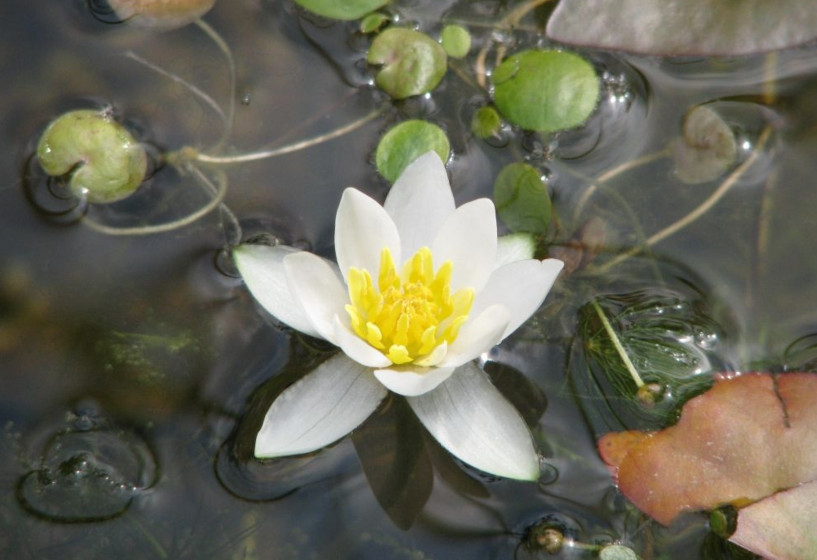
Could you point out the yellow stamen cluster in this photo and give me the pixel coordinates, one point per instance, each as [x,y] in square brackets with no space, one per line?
[408,315]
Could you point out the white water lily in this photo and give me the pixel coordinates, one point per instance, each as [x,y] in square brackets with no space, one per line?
[418,292]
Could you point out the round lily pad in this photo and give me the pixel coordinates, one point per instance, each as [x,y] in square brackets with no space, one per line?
[413,63]
[341,9]
[372,22]
[455,40]
[105,161]
[485,122]
[521,199]
[406,142]
[546,90]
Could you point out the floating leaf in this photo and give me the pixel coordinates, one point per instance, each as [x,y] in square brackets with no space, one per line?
[485,122]
[455,40]
[161,14]
[781,526]
[413,63]
[521,198]
[617,552]
[744,439]
[546,90]
[373,22]
[341,9]
[684,27]
[407,141]
[104,160]
[707,147]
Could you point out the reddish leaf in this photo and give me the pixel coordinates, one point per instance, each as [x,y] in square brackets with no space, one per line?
[744,439]
[782,527]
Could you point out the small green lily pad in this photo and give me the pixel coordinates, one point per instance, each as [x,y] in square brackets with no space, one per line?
[406,142]
[455,40]
[373,22]
[521,199]
[342,9]
[546,90]
[617,552]
[413,63]
[485,122]
[105,161]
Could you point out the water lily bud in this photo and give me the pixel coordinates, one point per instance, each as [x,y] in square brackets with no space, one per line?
[104,160]
[162,14]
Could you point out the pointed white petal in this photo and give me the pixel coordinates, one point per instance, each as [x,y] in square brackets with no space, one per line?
[419,202]
[318,289]
[319,409]
[473,421]
[262,269]
[412,381]
[520,287]
[477,336]
[514,247]
[468,240]
[355,347]
[362,229]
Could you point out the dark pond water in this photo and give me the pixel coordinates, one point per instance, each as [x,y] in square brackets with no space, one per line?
[133,367]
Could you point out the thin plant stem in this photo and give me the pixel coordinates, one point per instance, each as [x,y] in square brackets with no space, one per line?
[614,172]
[702,209]
[619,348]
[217,191]
[288,149]
[228,56]
[510,20]
[209,101]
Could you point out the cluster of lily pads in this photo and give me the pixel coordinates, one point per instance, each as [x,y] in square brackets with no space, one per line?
[420,290]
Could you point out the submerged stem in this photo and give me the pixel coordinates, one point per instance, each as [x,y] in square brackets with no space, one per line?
[217,191]
[702,209]
[228,55]
[264,154]
[608,328]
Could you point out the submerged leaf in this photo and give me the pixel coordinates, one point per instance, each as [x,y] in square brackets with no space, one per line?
[684,27]
[341,9]
[546,90]
[742,440]
[781,526]
[707,147]
[413,63]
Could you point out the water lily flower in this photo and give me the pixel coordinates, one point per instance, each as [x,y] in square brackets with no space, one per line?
[418,292]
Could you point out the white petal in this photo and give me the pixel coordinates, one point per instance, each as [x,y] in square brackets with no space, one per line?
[362,229]
[410,381]
[319,290]
[520,287]
[468,240]
[419,202]
[473,421]
[514,247]
[322,407]
[435,357]
[355,347]
[477,336]
[262,269]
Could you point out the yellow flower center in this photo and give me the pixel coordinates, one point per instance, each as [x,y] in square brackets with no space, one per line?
[408,315]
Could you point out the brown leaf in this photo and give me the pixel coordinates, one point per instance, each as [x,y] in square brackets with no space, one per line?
[744,439]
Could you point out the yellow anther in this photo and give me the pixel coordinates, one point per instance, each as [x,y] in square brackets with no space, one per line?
[407,315]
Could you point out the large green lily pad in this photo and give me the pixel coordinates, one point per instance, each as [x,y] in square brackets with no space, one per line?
[341,9]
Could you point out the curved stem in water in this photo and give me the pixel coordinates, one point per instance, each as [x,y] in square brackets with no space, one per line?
[702,209]
[289,148]
[622,353]
[228,56]
[218,192]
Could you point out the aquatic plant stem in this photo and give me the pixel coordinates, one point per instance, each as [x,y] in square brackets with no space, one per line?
[217,192]
[228,55]
[608,328]
[702,209]
[189,153]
